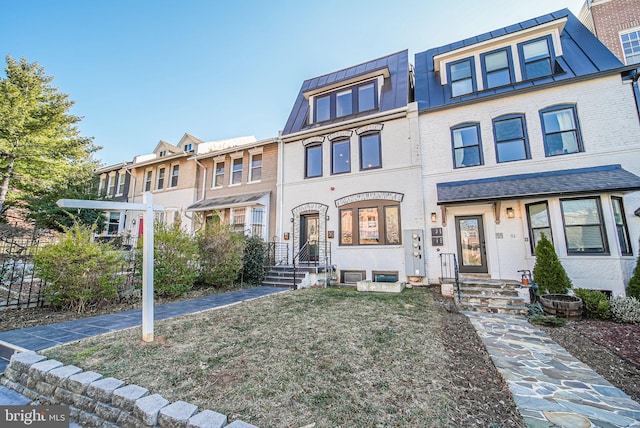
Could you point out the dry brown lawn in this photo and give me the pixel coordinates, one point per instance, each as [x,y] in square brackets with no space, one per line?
[329,357]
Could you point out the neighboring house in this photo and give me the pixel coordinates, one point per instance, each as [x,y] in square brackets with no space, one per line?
[617,24]
[170,177]
[113,184]
[350,190]
[526,130]
[237,185]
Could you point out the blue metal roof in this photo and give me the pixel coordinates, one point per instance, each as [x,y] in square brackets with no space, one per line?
[605,178]
[395,92]
[583,54]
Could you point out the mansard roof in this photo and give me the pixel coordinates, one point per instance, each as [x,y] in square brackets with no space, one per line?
[582,55]
[395,91]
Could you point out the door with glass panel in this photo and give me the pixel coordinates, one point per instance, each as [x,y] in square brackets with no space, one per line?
[472,256]
[309,225]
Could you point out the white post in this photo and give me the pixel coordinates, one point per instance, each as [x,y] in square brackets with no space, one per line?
[147,269]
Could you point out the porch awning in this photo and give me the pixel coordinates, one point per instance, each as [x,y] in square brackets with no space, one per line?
[606,178]
[227,202]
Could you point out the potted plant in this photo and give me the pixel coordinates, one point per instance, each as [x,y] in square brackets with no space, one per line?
[553,282]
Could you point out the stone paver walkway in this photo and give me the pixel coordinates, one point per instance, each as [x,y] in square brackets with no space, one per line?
[550,387]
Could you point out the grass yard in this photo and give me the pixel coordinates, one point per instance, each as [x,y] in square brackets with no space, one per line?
[333,357]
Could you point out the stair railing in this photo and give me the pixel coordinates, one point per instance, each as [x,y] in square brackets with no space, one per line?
[449,270]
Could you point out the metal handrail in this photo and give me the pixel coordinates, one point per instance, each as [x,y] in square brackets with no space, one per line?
[448,266]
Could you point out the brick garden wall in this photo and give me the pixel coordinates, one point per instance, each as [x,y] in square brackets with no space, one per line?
[95,401]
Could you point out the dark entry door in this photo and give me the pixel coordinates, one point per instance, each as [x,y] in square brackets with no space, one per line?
[309,232]
[472,257]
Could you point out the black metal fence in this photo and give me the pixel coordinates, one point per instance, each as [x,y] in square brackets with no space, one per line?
[20,286]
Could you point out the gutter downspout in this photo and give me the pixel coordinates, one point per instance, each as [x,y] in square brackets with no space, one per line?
[280,190]
[204,178]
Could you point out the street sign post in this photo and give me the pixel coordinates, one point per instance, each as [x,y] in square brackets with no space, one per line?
[147,247]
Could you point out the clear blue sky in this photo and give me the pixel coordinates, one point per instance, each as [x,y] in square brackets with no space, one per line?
[142,71]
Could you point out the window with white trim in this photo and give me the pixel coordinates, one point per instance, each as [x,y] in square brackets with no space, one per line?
[236,171]
[111,186]
[113,223]
[102,187]
[255,171]
[218,178]
[147,181]
[373,222]
[175,172]
[121,182]
[238,219]
[160,181]
[631,46]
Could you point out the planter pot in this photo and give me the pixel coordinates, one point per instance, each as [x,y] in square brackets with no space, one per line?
[562,305]
[381,287]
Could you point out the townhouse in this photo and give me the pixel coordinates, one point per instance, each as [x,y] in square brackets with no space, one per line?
[530,129]
[350,176]
[114,182]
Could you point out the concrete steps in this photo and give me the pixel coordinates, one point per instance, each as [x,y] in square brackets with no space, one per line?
[492,296]
[282,276]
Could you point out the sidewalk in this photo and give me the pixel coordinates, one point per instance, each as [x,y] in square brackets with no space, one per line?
[550,387]
[46,336]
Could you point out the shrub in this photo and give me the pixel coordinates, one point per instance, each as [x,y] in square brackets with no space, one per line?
[595,303]
[253,260]
[633,288]
[221,251]
[175,260]
[625,309]
[77,271]
[548,272]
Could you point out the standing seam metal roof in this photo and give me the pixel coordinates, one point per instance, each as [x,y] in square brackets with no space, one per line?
[583,54]
[395,92]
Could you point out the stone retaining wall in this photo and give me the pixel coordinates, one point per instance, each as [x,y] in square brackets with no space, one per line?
[96,401]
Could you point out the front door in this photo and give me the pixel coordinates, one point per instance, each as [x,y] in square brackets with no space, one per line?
[472,257]
[309,225]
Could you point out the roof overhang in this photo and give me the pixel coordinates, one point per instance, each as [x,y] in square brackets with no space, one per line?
[606,178]
[230,202]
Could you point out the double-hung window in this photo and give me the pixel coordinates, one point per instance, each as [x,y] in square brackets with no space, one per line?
[539,223]
[102,187]
[175,172]
[583,227]
[160,182]
[370,223]
[621,226]
[218,177]
[561,130]
[461,77]
[467,147]
[510,135]
[313,161]
[345,101]
[111,185]
[340,156]
[631,47]
[370,151]
[256,167]
[121,181]
[536,58]
[496,68]
[236,171]
[147,181]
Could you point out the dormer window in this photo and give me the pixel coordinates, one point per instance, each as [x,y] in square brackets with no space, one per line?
[536,58]
[345,101]
[188,147]
[461,77]
[162,153]
[496,68]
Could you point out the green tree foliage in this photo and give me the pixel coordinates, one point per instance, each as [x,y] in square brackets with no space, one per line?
[221,253]
[175,260]
[633,288]
[41,149]
[78,273]
[253,260]
[548,272]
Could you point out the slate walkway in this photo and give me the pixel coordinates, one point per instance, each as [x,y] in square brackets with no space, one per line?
[46,336]
[550,387]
